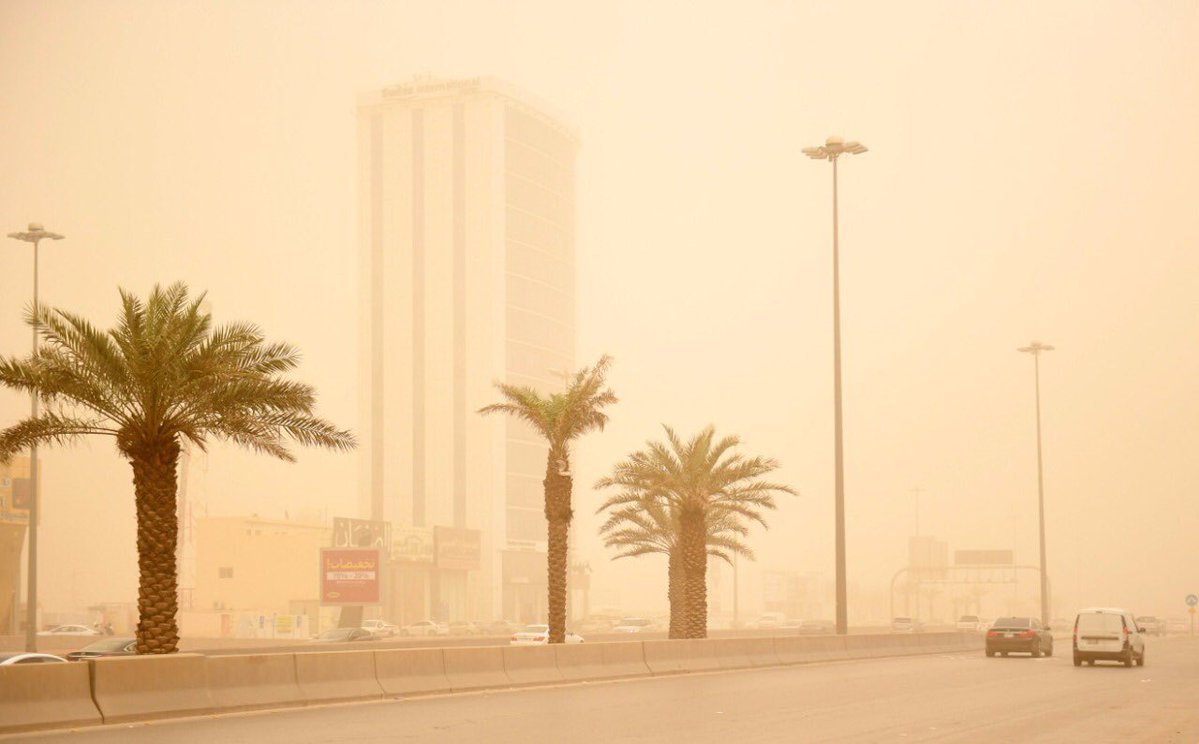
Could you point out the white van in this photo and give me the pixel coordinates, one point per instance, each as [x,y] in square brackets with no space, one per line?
[1108,633]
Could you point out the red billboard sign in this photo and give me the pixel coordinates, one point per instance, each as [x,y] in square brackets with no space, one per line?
[349,576]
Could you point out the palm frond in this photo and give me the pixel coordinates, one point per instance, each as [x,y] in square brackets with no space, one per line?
[47,428]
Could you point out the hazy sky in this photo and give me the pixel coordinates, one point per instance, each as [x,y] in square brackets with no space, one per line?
[1033,173]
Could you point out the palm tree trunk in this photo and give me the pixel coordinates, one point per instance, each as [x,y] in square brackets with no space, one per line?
[674,584]
[694,547]
[154,484]
[558,514]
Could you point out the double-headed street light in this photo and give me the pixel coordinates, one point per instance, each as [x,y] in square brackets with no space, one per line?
[832,149]
[1035,348]
[35,234]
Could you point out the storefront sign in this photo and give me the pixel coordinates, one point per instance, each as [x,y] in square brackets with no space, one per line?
[412,545]
[458,549]
[15,492]
[360,533]
[349,576]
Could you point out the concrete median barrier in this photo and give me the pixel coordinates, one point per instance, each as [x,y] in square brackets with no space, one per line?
[577,661]
[624,659]
[475,668]
[411,671]
[532,665]
[134,688]
[761,652]
[808,649]
[874,645]
[337,676]
[681,655]
[41,696]
[253,681]
[737,653]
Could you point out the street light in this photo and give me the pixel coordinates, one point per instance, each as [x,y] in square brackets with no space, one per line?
[35,234]
[832,149]
[1035,348]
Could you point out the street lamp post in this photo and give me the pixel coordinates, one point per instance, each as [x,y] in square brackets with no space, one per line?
[35,234]
[832,149]
[1035,348]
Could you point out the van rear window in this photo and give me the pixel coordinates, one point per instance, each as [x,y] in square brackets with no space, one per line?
[1100,622]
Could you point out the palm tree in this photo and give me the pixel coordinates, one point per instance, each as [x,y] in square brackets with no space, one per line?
[703,481]
[640,524]
[560,418]
[163,377]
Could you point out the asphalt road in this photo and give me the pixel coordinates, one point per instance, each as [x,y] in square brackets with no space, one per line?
[950,697]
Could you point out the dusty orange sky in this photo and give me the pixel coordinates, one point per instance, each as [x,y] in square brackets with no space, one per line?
[1033,173]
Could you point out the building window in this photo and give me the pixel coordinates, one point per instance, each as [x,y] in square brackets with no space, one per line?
[225,572]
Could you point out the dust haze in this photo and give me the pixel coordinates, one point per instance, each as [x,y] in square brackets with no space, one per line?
[1031,176]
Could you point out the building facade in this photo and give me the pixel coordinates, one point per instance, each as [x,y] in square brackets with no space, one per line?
[14,524]
[467,223]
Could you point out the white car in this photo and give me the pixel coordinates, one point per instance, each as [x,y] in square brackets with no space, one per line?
[635,625]
[1108,633]
[23,657]
[539,635]
[70,630]
[970,623]
[425,628]
[380,628]
[769,621]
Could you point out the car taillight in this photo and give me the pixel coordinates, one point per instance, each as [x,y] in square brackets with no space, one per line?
[540,639]
[1128,631]
[514,638]
[1028,634]
[994,633]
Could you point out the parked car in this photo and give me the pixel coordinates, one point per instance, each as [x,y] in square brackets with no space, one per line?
[463,628]
[598,623]
[25,657]
[812,627]
[1151,625]
[635,625]
[70,630]
[539,635]
[769,621]
[1109,633]
[500,628]
[107,647]
[425,628]
[906,625]
[344,635]
[1019,635]
[380,628]
[970,623]
[791,624]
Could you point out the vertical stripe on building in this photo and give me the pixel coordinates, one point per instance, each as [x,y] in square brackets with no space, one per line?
[376,315]
[460,350]
[418,317]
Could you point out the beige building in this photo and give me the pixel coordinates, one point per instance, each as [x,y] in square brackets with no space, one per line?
[255,564]
[14,524]
[467,222]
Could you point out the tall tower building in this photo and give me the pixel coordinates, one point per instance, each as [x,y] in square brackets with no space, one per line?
[468,264]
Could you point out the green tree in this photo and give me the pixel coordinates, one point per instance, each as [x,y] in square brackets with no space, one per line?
[641,524]
[559,418]
[162,377]
[702,481]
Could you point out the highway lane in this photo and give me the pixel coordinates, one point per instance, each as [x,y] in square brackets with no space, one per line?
[948,697]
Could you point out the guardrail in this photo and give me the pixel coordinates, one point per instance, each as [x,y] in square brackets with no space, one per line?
[119,689]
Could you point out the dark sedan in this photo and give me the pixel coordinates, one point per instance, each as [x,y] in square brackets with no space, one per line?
[344,635]
[106,647]
[1019,635]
